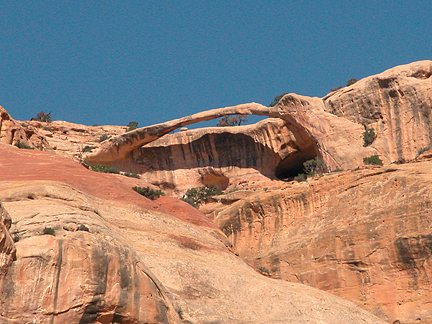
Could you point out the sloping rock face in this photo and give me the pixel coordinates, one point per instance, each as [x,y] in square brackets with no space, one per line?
[112,256]
[364,236]
[12,132]
[395,103]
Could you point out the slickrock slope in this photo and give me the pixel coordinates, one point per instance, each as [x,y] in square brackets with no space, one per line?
[395,103]
[364,236]
[117,257]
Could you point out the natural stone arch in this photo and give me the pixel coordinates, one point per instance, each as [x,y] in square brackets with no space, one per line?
[119,147]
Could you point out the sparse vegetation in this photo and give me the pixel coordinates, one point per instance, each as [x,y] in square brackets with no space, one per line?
[87,148]
[132,126]
[149,193]
[43,117]
[300,177]
[372,160]
[83,228]
[104,137]
[351,81]
[264,269]
[104,168]
[314,166]
[369,136]
[23,145]
[277,99]
[131,175]
[195,196]
[48,231]
[235,120]
[16,237]
[335,88]
[421,151]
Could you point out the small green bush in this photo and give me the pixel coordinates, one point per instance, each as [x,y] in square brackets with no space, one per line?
[235,120]
[314,166]
[351,81]
[335,88]
[43,117]
[277,99]
[195,196]
[264,269]
[369,136]
[373,160]
[300,177]
[87,148]
[23,145]
[131,175]
[104,137]
[132,126]
[104,168]
[149,193]
[48,231]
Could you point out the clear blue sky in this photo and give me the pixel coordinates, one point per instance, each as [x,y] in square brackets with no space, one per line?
[111,62]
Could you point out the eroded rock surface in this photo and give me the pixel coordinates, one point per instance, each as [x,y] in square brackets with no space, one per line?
[110,255]
[395,103]
[12,132]
[364,236]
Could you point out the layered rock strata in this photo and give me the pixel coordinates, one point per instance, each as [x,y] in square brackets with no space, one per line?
[364,236]
[102,253]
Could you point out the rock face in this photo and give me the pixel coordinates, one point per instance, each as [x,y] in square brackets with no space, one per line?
[219,156]
[364,236]
[395,103]
[101,253]
[7,246]
[12,132]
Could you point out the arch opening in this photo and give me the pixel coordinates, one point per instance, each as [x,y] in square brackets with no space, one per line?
[292,165]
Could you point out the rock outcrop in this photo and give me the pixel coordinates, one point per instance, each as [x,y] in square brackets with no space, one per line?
[100,252]
[7,246]
[364,236]
[13,132]
[395,103]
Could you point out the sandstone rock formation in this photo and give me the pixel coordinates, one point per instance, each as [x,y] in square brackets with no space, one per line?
[395,103]
[364,236]
[109,255]
[12,132]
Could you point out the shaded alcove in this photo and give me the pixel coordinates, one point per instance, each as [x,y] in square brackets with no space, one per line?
[292,165]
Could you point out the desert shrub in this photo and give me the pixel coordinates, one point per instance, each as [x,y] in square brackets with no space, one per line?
[314,166]
[104,168]
[195,196]
[351,81]
[300,177]
[131,175]
[87,148]
[48,231]
[421,151]
[43,117]
[277,99]
[23,145]
[149,193]
[83,228]
[264,269]
[104,137]
[131,126]
[369,136]
[335,88]
[373,160]
[235,120]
